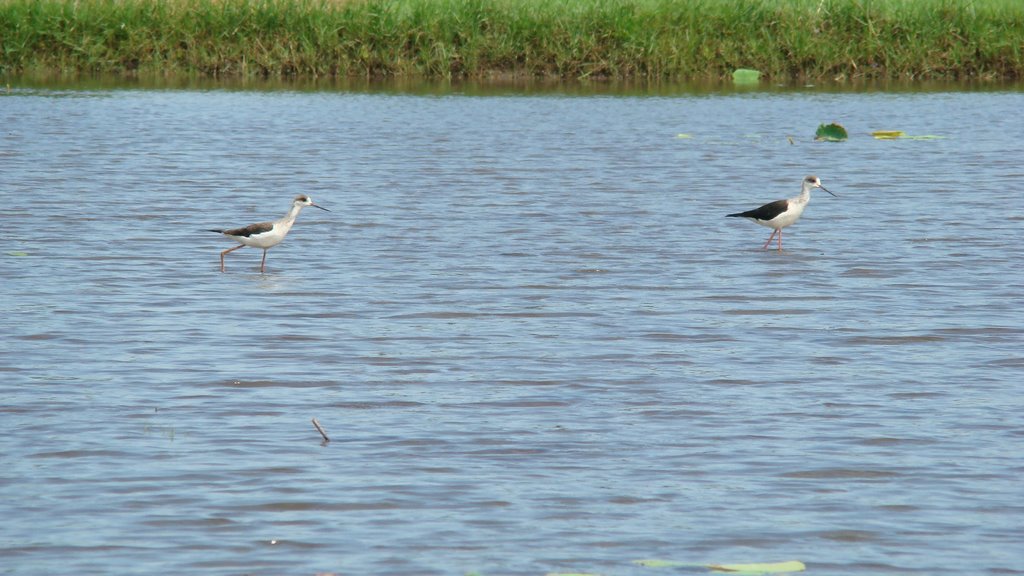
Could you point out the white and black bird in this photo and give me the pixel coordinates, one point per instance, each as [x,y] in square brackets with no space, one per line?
[266,235]
[781,213]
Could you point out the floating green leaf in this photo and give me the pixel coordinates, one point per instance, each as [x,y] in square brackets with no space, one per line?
[684,136]
[17,253]
[760,568]
[745,569]
[663,563]
[900,135]
[831,133]
[746,76]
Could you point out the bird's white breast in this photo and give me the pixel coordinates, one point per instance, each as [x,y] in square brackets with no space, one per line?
[796,209]
[272,237]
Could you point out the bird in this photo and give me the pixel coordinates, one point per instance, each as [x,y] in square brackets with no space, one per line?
[266,235]
[781,213]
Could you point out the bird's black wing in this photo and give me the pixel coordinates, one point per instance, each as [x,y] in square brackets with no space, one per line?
[251,230]
[766,212]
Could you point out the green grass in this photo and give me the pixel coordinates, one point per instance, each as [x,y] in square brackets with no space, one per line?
[627,39]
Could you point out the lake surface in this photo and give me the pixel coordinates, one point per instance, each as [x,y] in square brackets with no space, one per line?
[535,340]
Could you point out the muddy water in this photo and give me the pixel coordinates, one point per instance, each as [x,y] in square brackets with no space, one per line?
[534,339]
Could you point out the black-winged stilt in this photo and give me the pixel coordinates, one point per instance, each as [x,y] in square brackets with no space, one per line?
[266,235]
[781,213]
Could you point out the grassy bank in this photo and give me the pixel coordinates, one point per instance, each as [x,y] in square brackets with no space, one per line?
[638,39]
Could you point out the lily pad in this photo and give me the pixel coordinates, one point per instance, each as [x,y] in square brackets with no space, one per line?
[831,133]
[898,134]
[651,563]
[761,568]
[746,76]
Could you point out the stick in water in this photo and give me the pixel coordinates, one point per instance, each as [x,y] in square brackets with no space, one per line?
[321,430]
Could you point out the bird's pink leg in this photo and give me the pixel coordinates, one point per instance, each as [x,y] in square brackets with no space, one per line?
[780,239]
[263,263]
[770,238]
[222,254]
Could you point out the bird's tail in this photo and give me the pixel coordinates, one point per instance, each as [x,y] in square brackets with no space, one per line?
[736,215]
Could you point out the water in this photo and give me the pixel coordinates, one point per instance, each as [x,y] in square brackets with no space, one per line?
[536,342]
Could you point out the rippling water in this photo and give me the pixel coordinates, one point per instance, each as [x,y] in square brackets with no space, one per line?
[536,342]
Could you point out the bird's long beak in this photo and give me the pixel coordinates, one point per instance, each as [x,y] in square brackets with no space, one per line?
[326,210]
[819,186]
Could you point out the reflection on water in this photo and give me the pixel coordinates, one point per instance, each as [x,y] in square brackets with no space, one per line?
[491,87]
[535,340]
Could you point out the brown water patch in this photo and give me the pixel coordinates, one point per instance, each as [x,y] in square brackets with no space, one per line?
[841,474]
[768,312]
[849,535]
[271,384]
[893,340]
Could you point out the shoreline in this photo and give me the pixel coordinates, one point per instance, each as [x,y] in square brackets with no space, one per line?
[74,80]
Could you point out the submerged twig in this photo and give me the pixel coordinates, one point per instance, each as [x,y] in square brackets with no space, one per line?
[320,430]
